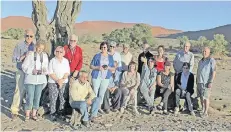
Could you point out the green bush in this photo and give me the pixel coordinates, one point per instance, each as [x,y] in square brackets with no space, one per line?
[15,33]
[135,36]
[182,40]
[87,38]
[219,45]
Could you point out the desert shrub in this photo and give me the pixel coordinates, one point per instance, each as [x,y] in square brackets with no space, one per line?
[15,33]
[87,38]
[135,36]
[182,40]
[219,45]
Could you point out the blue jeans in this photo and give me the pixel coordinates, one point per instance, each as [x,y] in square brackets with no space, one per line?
[33,94]
[100,87]
[83,107]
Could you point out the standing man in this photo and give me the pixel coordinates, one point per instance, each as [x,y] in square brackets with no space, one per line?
[126,57]
[73,53]
[19,54]
[206,73]
[146,54]
[183,56]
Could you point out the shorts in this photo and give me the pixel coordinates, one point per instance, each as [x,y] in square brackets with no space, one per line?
[203,91]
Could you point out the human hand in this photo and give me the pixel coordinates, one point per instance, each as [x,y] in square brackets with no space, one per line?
[209,85]
[34,72]
[75,74]
[89,102]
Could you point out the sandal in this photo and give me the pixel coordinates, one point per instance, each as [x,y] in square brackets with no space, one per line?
[27,118]
[35,118]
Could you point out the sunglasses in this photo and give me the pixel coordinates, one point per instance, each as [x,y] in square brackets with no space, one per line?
[31,36]
[72,40]
[59,52]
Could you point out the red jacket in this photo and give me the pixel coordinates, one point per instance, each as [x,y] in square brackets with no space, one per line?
[75,61]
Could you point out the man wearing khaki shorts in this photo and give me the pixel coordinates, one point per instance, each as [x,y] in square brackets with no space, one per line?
[206,72]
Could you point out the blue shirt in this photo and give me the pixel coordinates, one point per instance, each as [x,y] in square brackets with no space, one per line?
[96,61]
[21,49]
[205,70]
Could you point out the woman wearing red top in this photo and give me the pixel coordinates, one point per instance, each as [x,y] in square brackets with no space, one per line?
[73,54]
[160,59]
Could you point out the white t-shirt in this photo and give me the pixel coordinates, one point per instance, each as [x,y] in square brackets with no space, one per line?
[117,57]
[58,68]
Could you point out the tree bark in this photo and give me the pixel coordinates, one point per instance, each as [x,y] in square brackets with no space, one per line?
[61,25]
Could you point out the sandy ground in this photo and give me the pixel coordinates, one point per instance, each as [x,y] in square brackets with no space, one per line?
[219,119]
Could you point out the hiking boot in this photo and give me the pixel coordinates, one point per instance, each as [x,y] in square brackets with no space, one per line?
[192,113]
[176,111]
[86,123]
[107,111]
[151,110]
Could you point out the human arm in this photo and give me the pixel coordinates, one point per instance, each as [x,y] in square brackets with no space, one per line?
[191,63]
[212,74]
[80,62]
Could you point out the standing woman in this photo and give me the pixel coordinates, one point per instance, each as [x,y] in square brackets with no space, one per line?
[160,59]
[165,81]
[129,83]
[102,66]
[35,67]
[59,71]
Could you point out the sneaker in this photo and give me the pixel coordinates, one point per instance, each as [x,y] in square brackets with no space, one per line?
[203,115]
[107,111]
[176,110]
[86,123]
[122,110]
[160,106]
[165,112]
[192,113]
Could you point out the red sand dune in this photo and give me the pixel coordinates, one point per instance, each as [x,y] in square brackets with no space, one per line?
[87,27]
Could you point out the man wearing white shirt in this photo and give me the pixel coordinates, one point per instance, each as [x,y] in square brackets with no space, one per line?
[59,71]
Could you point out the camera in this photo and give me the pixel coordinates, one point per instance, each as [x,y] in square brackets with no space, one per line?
[39,72]
[105,66]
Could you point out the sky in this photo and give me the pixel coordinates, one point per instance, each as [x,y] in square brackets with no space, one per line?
[182,15]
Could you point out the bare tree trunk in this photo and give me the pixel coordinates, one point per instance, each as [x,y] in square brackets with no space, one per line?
[62,24]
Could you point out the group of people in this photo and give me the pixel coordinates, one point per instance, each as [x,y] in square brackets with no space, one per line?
[116,81]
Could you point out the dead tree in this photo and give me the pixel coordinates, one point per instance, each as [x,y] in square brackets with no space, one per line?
[61,25]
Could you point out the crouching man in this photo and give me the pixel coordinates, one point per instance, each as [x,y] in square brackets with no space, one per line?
[82,96]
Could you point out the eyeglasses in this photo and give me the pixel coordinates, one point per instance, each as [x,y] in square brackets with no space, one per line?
[112,46]
[103,47]
[31,36]
[59,52]
[185,67]
[72,40]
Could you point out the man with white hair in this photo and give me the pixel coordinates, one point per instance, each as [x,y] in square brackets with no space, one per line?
[183,56]
[19,54]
